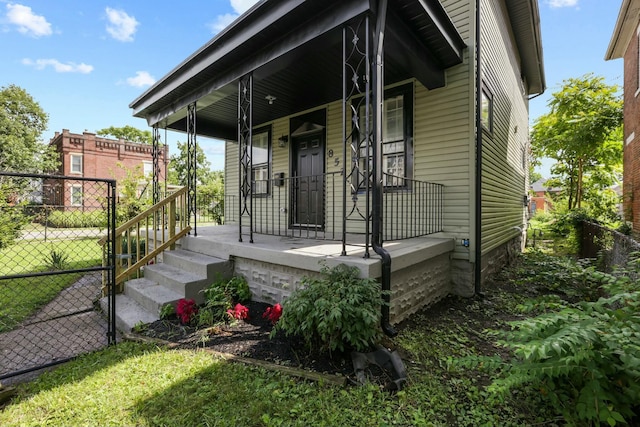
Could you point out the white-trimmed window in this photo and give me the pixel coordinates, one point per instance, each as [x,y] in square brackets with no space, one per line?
[75,162]
[397,136]
[76,194]
[260,160]
[147,168]
[486,109]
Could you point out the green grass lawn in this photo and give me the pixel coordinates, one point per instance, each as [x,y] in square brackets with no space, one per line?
[21,297]
[143,385]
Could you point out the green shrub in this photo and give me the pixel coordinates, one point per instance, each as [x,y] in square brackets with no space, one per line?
[132,243]
[238,289]
[77,219]
[337,311]
[12,217]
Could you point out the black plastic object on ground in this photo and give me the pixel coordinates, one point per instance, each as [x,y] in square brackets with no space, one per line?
[389,361]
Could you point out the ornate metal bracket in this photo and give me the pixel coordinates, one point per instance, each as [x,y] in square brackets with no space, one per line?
[245,146]
[357,132]
[155,154]
[191,166]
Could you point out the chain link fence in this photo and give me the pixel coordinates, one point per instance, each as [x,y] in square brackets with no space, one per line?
[51,269]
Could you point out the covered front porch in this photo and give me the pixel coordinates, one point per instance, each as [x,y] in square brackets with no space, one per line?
[275,265]
[315,100]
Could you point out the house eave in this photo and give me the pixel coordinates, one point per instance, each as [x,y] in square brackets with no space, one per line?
[525,21]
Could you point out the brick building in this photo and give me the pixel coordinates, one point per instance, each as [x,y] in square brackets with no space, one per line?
[625,43]
[90,156]
[541,196]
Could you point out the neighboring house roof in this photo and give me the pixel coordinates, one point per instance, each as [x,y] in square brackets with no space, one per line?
[626,27]
[294,50]
[540,185]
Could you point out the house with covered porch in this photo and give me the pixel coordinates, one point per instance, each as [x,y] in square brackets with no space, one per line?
[387,134]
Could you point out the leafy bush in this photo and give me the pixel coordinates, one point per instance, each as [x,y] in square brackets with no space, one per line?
[583,357]
[238,289]
[12,217]
[77,219]
[132,243]
[337,311]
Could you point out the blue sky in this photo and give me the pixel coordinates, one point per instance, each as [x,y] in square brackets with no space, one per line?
[85,61]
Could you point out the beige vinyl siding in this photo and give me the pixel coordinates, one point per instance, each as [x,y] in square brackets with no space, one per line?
[504,176]
[444,139]
[231,190]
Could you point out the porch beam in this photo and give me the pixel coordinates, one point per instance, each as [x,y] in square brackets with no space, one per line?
[403,46]
[191,166]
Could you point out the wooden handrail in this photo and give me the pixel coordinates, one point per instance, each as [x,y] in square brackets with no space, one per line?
[163,224]
[145,214]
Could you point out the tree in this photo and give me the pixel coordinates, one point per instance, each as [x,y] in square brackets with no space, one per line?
[128,133]
[581,132]
[178,167]
[22,122]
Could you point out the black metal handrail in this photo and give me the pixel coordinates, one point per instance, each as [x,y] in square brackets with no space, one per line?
[311,207]
[411,208]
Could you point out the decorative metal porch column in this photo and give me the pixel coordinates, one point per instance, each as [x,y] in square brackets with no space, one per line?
[356,112]
[155,155]
[245,146]
[191,166]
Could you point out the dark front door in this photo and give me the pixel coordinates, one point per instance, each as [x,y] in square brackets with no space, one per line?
[308,191]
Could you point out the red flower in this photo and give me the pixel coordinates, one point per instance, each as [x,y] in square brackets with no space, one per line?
[186,309]
[273,313]
[238,312]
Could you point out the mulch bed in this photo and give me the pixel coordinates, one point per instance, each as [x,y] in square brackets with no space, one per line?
[250,338]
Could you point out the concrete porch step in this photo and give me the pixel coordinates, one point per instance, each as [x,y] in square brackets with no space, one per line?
[200,264]
[150,295]
[178,280]
[128,312]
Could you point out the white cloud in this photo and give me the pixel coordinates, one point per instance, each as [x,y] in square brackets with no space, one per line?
[121,26]
[141,79]
[28,22]
[241,6]
[562,3]
[59,67]
[222,21]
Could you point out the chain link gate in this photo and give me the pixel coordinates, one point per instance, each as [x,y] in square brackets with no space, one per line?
[53,306]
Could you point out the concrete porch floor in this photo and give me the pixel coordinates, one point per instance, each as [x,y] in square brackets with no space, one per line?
[223,242]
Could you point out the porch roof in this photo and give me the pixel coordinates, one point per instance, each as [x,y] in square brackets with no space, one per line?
[294,49]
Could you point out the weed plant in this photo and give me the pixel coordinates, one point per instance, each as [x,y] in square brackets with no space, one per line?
[57,259]
[220,296]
